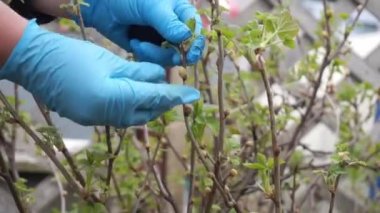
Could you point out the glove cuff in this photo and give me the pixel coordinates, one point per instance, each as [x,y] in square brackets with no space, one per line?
[17,65]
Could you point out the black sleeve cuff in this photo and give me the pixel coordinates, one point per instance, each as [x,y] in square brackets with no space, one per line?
[25,10]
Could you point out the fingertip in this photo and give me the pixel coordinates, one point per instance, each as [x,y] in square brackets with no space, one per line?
[190,95]
[154,73]
[177,32]
[196,50]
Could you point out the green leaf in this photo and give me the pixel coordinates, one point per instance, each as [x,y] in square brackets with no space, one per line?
[270,163]
[256,166]
[276,28]
[344,16]
[289,43]
[191,24]
[287,28]
[198,129]
[170,116]
[347,93]
[198,108]
[216,208]
[261,159]
[213,125]
[51,136]
[296,159]
[227,32]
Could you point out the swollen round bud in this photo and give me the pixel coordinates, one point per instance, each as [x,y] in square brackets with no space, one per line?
[233,172]
[211,175]
[231,203]
[207,190]
[202,146]
[147,146]
[204,153]
[184,157]
[249,143]
[182,72]
[329,13]
[325,34]
[164,141]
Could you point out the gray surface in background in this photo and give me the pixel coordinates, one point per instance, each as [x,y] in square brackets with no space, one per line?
[68,128]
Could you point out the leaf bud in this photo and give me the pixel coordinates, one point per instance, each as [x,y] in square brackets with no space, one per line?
[182,72]
[233,172]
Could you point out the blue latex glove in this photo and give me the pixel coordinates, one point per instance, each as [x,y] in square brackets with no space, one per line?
[113,18]
[89,84]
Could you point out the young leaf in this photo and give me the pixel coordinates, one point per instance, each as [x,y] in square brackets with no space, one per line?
[287,28]
[191,24]
[261,159]
[256,166]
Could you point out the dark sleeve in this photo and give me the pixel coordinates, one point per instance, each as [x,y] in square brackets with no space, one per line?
[25,10]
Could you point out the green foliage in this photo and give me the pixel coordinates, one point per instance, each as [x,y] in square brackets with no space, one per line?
[51,136]
[203,117]
[297,159]
[83,207]
[270,29]
[25,192]
[191,24]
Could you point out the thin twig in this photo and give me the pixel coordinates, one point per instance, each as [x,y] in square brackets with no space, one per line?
[47,150]
[308,192]
[207,78]
[70,160]
[176,153]
[275,149]
[327,58]
[219,143]
[194,144]
[4,173]
[111,157]
[191,179]
[165,192]
[12,151]
[118,192]
[81,22]
[294,189]
[333,193]
[61,189]
[220,67]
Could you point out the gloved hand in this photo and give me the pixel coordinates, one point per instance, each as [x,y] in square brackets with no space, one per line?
[89,84]
[168,17]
